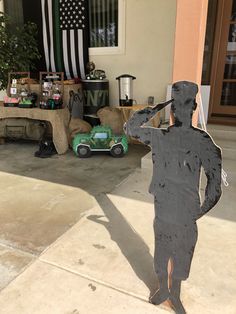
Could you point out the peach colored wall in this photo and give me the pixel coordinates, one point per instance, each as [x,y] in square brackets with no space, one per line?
[189,41]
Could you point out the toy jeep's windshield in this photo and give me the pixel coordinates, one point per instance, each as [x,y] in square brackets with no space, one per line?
[100,135]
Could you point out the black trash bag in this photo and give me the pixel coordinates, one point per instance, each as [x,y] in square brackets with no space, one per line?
[46,149]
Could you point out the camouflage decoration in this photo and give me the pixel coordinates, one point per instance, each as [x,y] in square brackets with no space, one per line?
[100,138]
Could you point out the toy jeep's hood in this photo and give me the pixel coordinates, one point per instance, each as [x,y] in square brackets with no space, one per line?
[81,138]
[83,135]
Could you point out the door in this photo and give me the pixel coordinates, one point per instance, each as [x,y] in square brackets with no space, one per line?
[223,82]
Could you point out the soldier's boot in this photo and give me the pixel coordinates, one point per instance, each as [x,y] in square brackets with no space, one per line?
[175,297]
[162,294]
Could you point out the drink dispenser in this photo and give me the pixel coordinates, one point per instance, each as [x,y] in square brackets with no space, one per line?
[126,89]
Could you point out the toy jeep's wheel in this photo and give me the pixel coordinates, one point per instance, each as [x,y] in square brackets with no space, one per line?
[117,151]
[83,151]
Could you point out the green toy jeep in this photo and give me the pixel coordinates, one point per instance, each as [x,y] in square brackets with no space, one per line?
[100,139]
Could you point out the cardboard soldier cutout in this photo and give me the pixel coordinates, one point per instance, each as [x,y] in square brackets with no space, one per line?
[178,153]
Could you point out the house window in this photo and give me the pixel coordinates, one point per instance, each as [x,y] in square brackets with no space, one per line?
[106,23]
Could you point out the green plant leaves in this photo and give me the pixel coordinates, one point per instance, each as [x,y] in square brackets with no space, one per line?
[18,50]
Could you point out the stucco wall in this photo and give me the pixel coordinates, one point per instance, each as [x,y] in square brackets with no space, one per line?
[149,49]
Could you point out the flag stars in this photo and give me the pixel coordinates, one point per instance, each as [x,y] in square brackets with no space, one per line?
[72,14]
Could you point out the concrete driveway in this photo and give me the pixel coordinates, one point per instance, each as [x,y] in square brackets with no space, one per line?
[104,262]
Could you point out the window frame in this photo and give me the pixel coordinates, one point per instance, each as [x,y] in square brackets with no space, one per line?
[104,137]
[120,49]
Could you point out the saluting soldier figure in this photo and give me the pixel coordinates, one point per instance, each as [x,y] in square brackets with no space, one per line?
[178,153]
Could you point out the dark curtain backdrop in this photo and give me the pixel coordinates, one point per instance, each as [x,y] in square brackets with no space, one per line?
[33,13]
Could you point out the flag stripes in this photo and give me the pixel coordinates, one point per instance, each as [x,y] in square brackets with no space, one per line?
[77,57]
[57,36]
[51,30]
[81,54]
[65,45]
[72,50]
[45,37]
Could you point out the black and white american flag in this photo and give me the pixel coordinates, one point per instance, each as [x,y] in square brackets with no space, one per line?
[63,26]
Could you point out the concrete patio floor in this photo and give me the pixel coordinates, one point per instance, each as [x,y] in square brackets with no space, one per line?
[100,259]
[40,199]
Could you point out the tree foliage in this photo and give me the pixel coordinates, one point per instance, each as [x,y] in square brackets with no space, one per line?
[18,49]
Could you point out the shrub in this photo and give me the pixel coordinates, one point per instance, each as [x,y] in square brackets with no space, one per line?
[18,49]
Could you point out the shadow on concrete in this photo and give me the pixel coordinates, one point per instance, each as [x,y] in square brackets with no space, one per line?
[100,173]
[130,243]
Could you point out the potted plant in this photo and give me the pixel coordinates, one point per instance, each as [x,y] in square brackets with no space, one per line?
[18,49]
